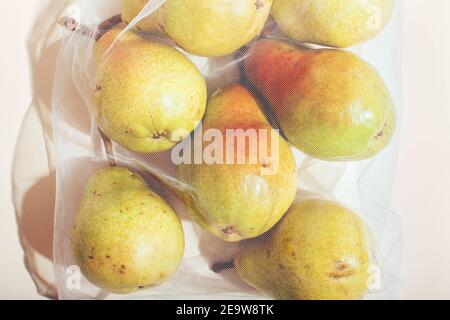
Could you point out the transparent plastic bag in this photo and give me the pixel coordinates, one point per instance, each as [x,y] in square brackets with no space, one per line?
[363,186]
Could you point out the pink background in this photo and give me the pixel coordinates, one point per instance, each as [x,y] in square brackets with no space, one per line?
[422,189]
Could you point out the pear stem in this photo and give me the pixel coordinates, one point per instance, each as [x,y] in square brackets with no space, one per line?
[72,25]
[222,266]
[110,23]
[107,143]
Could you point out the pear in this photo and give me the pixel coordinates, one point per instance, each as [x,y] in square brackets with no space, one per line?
[337,23]
[244,197]
[319,251]
[207,27]
[125,237]
[330,104]
[147,93]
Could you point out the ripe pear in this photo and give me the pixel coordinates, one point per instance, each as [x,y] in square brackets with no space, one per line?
[207,27]
[147,92]
[337,23]
[319,251]
[125,236]
[330,104]
[248,192]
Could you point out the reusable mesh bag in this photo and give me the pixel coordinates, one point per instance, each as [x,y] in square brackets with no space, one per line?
[81,149]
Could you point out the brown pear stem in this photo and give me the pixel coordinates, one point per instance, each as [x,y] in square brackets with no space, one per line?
[110,23]
[107,143]
[218,267]
[74,26]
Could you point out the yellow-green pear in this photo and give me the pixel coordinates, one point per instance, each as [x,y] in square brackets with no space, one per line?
[333,23]
[125,236]
[244,191]
[207,27]
[319,251]
[330,104]
[146,92]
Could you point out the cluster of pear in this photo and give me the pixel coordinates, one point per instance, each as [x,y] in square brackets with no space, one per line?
[328,103]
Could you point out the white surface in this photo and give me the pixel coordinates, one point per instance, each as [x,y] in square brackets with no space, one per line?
[422,193]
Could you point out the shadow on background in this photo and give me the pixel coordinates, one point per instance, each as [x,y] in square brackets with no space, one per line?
[36,222]
[34,185]
[37,219]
